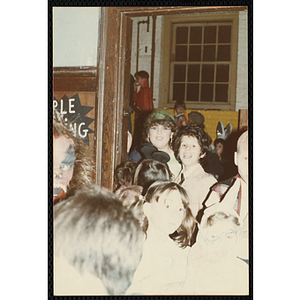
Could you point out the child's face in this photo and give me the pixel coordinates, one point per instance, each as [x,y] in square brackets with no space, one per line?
[159,136]
[219,148]
[140,81]
[180,109]
[167,214]
[189,151]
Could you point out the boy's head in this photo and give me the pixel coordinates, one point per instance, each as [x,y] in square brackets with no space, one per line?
[141,78]
[142,74]
[97,235]
[218,232]
[191,131]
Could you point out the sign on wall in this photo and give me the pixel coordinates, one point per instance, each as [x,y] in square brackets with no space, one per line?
[74,114]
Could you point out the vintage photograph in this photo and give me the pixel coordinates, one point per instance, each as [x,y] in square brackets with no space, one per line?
[151,128]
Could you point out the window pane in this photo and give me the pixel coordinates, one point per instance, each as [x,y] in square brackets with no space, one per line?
[178,91]
[196,35]
[222,73]
[209,53]
[221,92]
[181,35]
[208,73]
[193,73]
[207,92]
[192,92]
[195,53]
[179,72]
[224,35]
[224,53]
[181,53]
[210,34]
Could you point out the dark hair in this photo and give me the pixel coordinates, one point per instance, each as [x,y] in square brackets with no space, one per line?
[187,227]
[142,74]
[149,171]
[96,234]
[123,174]
[219,141]
[192,131]
[159,117]
[179,104]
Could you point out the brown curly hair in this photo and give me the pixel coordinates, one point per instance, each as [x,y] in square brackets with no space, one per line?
[159,117]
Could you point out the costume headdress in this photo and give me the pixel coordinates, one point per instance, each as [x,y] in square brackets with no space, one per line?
[223,133]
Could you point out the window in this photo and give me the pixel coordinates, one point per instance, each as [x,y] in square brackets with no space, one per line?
[200,61]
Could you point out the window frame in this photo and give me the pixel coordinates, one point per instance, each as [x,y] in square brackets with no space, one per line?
[168,58]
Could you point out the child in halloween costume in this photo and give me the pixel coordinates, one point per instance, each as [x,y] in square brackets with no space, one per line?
[180,117]
[72,162]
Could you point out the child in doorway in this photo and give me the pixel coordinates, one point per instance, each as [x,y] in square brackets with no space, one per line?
[163,265]
[143,99]
[180,117]
[143,104]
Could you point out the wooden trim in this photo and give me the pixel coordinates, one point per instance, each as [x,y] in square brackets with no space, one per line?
[75,71]
[170,10]
[74,79]
[108,95]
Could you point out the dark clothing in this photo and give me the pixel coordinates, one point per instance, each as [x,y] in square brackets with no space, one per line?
[214,165]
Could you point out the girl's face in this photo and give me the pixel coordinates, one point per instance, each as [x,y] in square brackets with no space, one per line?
[219,148]
[159,136]
[189,151]
[168,213]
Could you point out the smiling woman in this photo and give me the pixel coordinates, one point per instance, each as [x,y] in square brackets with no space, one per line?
[159,129]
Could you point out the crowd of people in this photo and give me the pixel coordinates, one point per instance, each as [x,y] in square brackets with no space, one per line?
[173,225]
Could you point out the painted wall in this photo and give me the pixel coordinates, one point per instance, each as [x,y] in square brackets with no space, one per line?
[75,36]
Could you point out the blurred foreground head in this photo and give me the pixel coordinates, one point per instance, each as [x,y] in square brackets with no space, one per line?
[98,236]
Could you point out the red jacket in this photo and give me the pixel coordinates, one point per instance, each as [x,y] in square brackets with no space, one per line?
[143,99]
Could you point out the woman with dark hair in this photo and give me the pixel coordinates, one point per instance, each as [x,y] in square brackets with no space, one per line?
[159,130]
[190,147]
